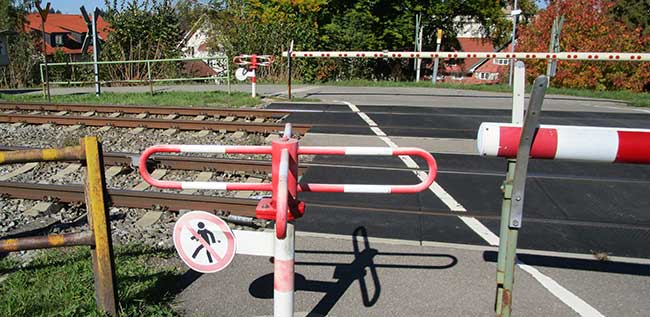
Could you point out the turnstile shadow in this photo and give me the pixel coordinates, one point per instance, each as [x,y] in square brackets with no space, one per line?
[346,274]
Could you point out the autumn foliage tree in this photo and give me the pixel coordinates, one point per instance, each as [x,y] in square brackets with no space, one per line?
[589,26]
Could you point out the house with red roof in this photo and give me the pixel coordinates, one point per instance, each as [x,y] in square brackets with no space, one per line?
[65,32]
[476,70]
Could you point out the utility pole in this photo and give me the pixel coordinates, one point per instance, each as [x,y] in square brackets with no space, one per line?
[515,15]
[289,69]
[96,52]
[418,44]
[554,47]
[434,76]
[43,13]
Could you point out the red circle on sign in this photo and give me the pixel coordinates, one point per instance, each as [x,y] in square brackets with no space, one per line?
[184,222]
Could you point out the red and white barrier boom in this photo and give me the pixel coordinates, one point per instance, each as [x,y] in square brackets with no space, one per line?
[252,62]
[610,145]
[518,143]
[588,56]
[283,206]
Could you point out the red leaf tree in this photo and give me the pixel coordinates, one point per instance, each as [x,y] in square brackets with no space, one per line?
[589,26]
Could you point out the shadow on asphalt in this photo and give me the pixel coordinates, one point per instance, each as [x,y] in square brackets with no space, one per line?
[346,274]
[18,91]
[577,264]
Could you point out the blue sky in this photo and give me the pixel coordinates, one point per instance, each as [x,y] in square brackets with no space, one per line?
[72,6]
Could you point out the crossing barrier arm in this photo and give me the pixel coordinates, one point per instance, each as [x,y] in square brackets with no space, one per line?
[577,56]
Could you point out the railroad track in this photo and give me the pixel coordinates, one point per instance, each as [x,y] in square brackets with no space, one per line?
[244,207]
[181,118]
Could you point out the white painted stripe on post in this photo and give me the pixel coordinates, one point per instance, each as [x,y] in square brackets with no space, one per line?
[518,93]
[284,248]
[487,140]
[579,143]
[382,189]
[359,150]
[280,306]
[197,148]
[486,234]
[204,185]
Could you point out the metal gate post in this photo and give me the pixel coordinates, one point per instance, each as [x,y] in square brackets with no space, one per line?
[254,78]
[102,252]
[283,273]
[513,201]
[503,298]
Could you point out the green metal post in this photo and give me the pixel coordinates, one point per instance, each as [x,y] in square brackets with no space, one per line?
[42,79]
[504,237]
[228,73]
[513,201]
[149,77]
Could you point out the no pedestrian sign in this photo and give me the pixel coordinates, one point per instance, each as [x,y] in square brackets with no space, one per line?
[204,241]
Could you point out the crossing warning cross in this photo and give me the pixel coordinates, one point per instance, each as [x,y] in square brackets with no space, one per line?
[204,241]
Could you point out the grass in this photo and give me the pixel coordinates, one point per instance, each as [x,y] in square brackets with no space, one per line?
[60,283]
[631,98]
[171,98]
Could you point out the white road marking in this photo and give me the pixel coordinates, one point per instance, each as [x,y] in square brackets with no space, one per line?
[563,294]
[293,91]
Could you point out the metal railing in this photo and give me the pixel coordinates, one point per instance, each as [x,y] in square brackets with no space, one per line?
[99,236]
[221,65]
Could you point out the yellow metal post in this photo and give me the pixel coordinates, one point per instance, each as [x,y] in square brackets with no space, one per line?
[102,253]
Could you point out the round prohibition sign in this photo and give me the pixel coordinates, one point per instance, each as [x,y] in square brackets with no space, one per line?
[204,241]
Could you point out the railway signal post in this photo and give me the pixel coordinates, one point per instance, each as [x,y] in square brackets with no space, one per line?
[253,62]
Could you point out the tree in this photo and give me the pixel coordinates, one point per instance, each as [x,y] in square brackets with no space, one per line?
[589,26]
[23,55]
[634,13]
[266,27]
[141,30]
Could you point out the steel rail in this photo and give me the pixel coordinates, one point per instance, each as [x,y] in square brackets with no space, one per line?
[196,163]
[137,109]
[130,198]
[246,207]
[193,125]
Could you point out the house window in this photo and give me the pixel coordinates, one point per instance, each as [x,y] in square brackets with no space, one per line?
[457,76]
[501,61]
[487,76]
[58,40]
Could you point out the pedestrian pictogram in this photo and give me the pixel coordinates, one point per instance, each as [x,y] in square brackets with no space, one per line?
[204,241]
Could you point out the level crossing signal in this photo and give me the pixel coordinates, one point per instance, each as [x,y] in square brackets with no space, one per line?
[248,65]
